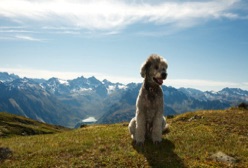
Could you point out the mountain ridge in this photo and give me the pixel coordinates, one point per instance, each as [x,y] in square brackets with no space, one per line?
[68,102]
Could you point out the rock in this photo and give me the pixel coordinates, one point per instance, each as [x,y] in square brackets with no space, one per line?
[83,125]
[195,117]
[125,124]
[5,153]
[222,157]
[243,105]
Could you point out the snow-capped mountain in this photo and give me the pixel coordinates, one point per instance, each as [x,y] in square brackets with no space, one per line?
[27,98]
[231,95]
[81,85]
[68,102]
[78,98]
[5,77]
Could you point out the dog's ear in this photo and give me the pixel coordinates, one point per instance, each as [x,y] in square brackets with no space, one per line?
[144,68]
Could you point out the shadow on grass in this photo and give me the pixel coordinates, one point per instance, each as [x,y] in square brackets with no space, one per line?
[161,155]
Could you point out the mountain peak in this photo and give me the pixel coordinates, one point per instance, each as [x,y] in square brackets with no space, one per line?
[92,77]
[6,77]
[234,91]
[94,81]
[106,81]
[53,79]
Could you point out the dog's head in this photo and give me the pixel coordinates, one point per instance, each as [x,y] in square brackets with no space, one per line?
[154,69]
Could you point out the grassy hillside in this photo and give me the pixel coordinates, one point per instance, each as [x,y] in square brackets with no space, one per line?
[11,125]
[193,138]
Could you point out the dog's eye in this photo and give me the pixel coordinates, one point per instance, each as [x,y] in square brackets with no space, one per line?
[156,67]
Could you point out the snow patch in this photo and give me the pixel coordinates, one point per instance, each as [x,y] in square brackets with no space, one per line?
[85,89]
[112,88]
[122,87]
[64,82]
[89,119]
[81,90]
[41,86]
[213,92]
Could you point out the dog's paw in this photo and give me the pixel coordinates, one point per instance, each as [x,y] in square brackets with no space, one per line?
[136,143]
[140,144]
[156,142]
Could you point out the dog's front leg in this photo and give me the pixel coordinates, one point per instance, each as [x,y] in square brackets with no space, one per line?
[157,129]
[140,128]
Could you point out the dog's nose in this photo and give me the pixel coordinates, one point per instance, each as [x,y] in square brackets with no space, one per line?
[164,75]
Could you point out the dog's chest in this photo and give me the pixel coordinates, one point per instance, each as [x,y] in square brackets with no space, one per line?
[150,114]
[152,100]
[151,107]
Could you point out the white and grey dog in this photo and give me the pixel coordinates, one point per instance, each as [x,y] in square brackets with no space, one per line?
[149,121]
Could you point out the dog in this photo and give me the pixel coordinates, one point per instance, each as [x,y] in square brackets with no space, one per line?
[149,122]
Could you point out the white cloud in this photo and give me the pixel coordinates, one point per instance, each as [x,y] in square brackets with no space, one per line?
[113,14]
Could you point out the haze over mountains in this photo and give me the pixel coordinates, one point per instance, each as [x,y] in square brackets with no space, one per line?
[68,102]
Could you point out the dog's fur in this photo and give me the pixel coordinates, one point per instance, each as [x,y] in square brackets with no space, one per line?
[149,121]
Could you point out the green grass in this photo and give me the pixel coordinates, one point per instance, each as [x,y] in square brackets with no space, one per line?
[189,144]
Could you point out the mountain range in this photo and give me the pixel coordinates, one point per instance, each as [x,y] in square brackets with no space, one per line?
[68,102]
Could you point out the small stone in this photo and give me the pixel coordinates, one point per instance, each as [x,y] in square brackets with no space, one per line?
[222,157]
[195,117]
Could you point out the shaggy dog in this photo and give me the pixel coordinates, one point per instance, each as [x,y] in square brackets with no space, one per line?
[149,121]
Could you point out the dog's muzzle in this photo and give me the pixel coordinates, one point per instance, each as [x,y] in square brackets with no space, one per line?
[160,80]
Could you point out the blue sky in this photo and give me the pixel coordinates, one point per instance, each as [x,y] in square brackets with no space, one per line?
[205,42]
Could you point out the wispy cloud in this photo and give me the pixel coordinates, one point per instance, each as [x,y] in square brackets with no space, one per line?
[27,38]
[18,33]
[21,37]
[113,14]
[11,29]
